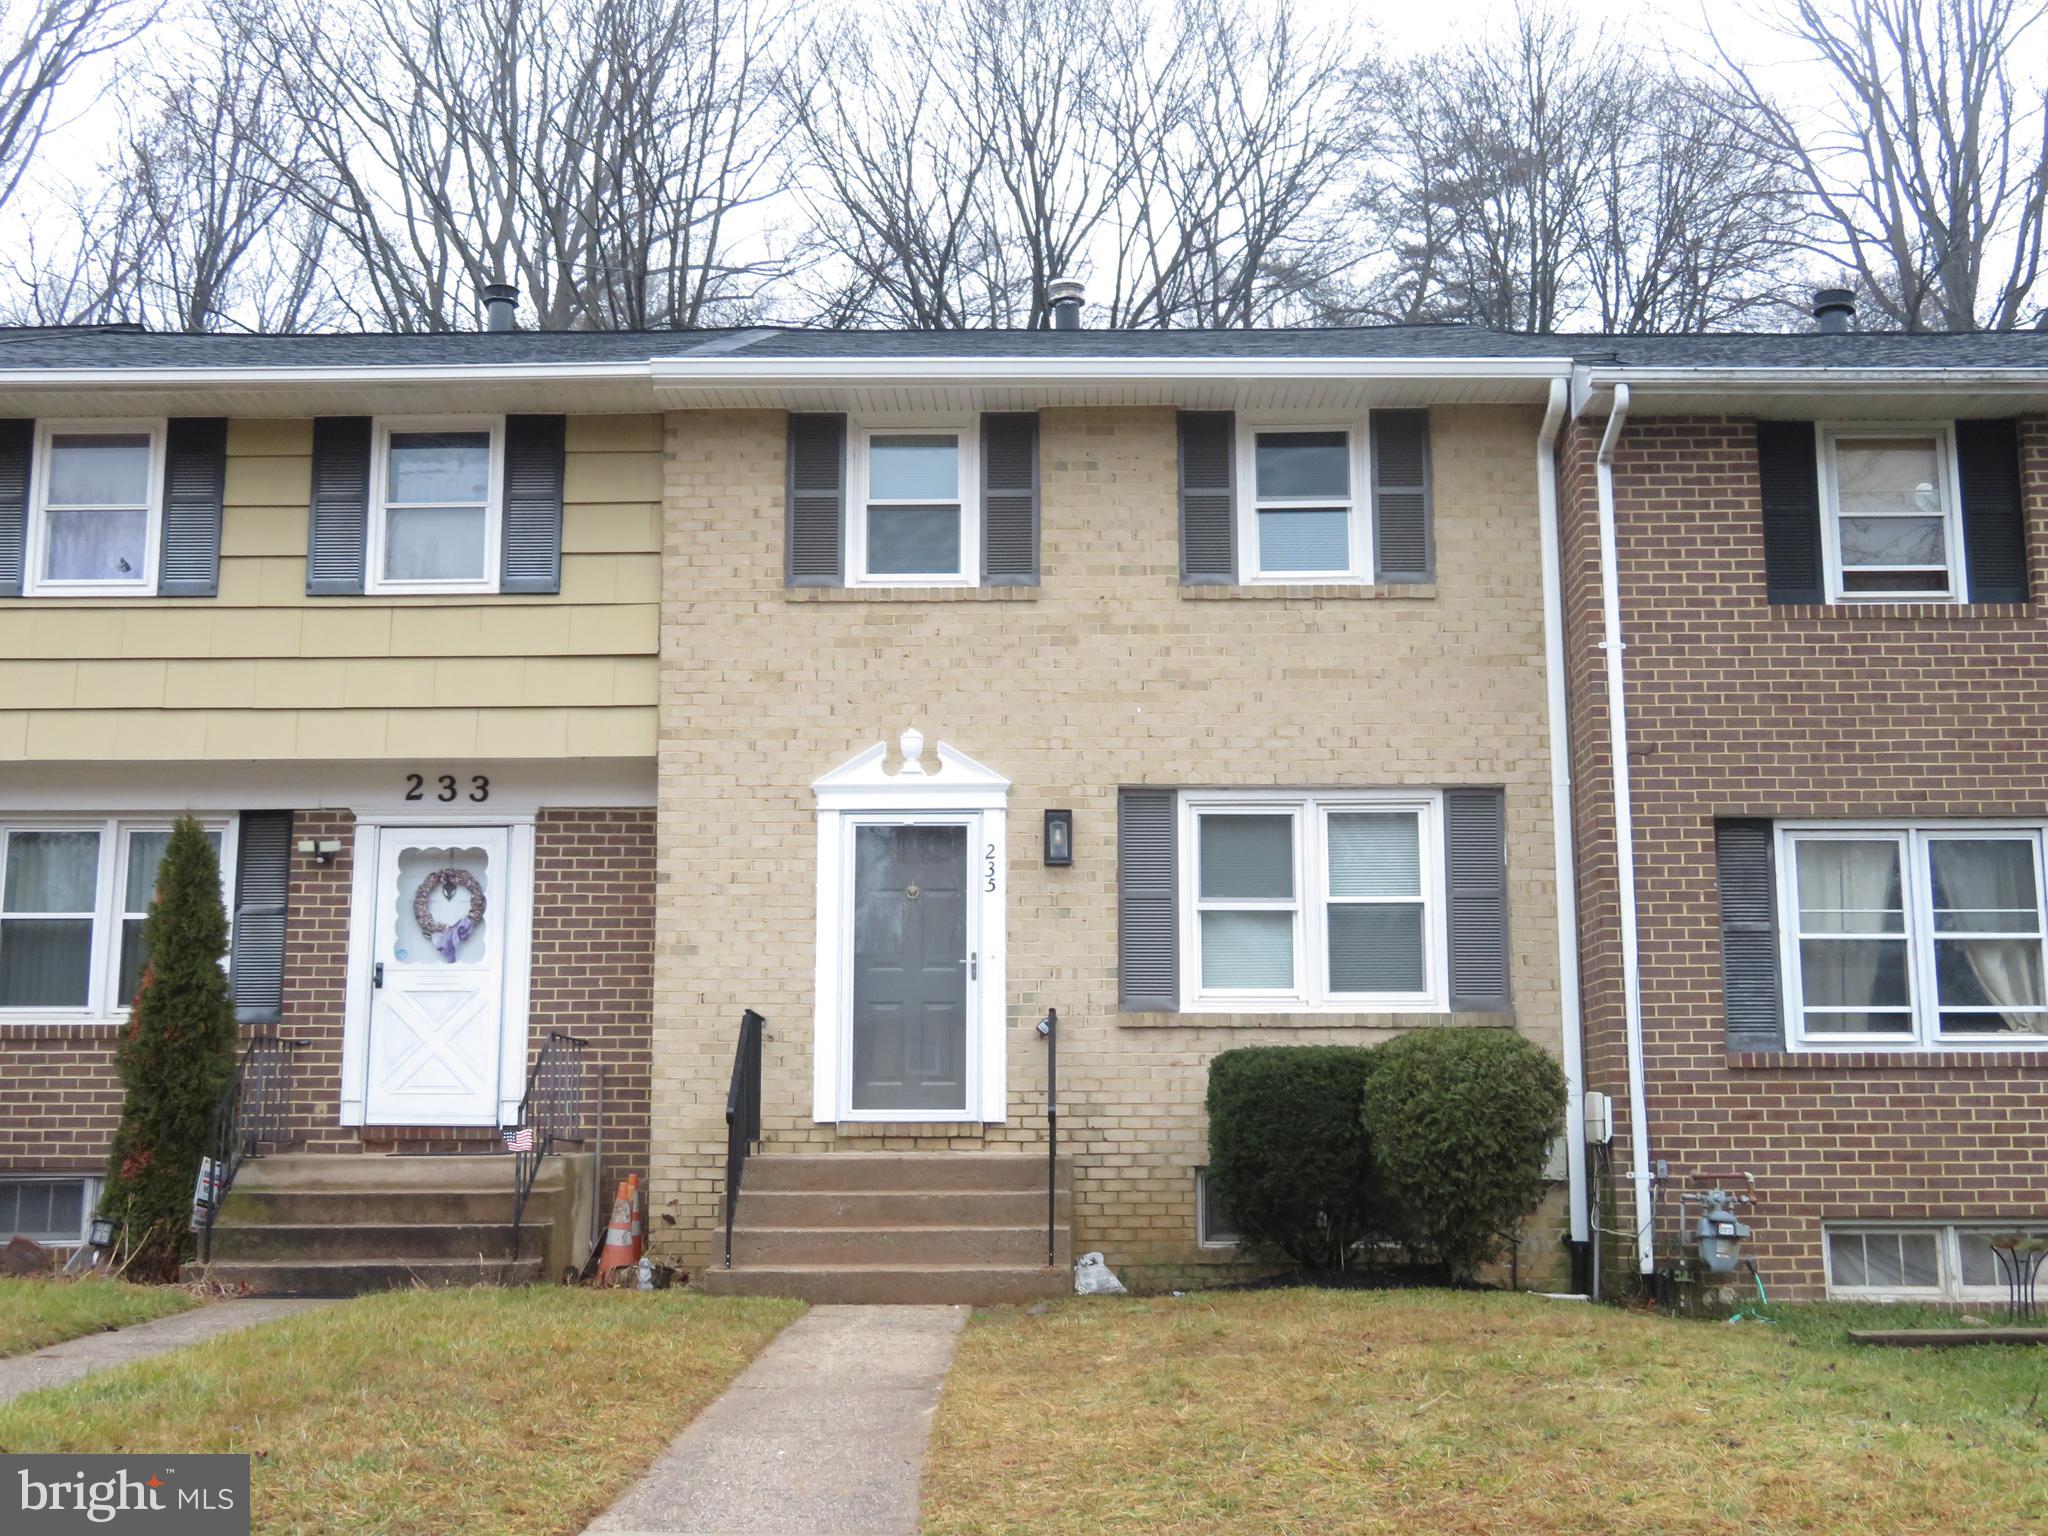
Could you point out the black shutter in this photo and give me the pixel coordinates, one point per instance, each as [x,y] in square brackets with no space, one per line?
[1402,547]
[263,851]
[1208,503]
[17,449]
[195,484]
[1476,876]
[817,501]
[338,526]
[1790,479]
[1994,521]
[1009,499]
[530,548]
[1751,1009]
[1147,893]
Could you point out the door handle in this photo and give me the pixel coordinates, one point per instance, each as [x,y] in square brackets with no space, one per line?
[377,974]
[973,964]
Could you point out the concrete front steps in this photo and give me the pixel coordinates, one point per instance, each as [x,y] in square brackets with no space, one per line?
[933,1227]
[302,1224]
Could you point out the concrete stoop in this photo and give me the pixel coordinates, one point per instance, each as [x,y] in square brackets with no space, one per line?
[303,1224]
[960,1228]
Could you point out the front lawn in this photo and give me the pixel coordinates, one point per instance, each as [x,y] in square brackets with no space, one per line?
[423,1413]
[37,1313]
[1318,1411]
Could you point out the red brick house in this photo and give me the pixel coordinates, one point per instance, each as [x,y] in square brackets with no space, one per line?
[1810,841]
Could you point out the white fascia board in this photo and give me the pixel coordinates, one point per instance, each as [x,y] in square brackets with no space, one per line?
[724,371]
[288,377]
[1766,380]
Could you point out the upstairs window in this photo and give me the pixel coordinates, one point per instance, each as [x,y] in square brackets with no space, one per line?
[1904,937]
[1890,521]
[1305,505]
[435,510]
[98,506]
[914,501]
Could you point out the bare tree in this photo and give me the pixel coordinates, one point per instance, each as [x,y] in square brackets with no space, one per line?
[594,152]
[1928,160]
[43,44]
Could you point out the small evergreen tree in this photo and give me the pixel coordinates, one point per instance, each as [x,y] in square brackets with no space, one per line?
[177,1054]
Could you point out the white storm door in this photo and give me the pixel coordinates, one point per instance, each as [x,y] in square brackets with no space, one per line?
[439,919]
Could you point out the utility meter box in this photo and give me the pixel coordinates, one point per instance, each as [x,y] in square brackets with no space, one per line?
[1599,1119]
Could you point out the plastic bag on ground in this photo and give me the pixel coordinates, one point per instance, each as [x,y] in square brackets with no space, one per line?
[1092,1277]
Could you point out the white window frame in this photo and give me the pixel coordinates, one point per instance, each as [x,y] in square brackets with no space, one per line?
[1949,473]
[968,430]
[89,1205]
[102,1002]
[1309,812]
[1357,430]
[1948,1235]
[1204,1238]
[36,553]
[1913,840]
[375,582]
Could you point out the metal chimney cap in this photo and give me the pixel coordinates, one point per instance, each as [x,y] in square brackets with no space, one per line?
[1064,294]
[1835,310]
[501,300]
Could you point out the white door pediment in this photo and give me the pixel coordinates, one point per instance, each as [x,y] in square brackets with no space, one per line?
[863,782]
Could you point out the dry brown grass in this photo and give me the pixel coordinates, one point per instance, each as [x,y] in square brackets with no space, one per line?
[1427,1412]
[425,1413]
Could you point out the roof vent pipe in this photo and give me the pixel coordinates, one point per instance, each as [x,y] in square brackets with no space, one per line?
[1064,294]
[1834,310]
[500,300]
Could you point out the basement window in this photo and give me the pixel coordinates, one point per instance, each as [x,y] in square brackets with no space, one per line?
[1945,1262]
[1214,1227]
[53,1211]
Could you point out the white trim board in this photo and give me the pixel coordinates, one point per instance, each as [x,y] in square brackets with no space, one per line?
[517,787]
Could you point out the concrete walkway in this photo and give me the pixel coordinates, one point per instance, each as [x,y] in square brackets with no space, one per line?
[74,1358]
[823,1435]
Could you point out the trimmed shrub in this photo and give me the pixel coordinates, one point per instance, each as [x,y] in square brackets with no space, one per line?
[1460,1122]
[1287,1152]
[177,1054]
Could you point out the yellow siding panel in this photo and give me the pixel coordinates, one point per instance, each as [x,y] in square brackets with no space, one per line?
[615,434]
[253,733]
[269,482]
[613,732]
[536,631]
[624,527]
[523,732]
[612,477]
[64,634]
[72,733]
[256,531]
[303,683]
[621,631]
[120,685]
[159,734]
[256,631]
[183,631]
[13,734]
[433,734]
[480,682]
[254,435]
[639,578]
[387,683]
[219,684]
[339,628]
[39,684]
[636,680]
[342,733]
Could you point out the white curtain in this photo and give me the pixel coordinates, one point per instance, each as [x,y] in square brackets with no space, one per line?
[1988,886]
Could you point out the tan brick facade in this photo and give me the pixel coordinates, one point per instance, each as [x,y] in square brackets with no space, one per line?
[1740,708]
[592,977]
[1110,673]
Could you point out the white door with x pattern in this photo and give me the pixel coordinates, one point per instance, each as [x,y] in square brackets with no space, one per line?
[437,982]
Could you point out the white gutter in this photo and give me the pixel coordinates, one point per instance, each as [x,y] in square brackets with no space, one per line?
[410,373]
[1624,833]
[723,371]
[1599,378]
[1566,865]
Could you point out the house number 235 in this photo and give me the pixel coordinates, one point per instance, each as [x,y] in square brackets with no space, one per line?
[989,865]
[446,787]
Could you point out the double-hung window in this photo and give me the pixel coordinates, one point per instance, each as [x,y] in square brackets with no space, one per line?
[915,506]
[73,898]
[1310,901]
[98,505]
[1305,498]
[1891,520]
[1901,937]
[436,505]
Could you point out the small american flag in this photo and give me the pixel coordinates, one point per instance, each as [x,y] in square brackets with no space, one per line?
[519,1138]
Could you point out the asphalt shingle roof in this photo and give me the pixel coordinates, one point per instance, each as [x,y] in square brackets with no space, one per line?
[129,348]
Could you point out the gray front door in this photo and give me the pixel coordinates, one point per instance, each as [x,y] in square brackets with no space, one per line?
[910,968]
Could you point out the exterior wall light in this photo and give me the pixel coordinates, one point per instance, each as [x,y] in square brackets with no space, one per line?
[104,1230]
[1059,839]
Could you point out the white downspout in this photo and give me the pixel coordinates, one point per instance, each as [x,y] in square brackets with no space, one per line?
[1624,833]
[1571,1038]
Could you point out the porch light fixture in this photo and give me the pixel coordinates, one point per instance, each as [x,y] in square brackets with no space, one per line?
[1059,839]
[320,851]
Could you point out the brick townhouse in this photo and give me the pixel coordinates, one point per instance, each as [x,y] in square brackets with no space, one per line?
[1827,565]
[912,690]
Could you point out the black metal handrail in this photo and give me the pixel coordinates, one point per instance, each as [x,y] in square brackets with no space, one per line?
[252,1110]
[742,1115]
[557,1108]
[1049,1027]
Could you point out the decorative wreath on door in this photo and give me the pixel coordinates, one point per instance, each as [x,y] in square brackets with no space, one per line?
[447,937]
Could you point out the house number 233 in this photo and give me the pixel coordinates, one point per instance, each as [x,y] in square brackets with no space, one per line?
[445,787]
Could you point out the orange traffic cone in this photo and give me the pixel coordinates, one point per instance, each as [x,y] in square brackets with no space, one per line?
[618,1237]
[639,1232]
